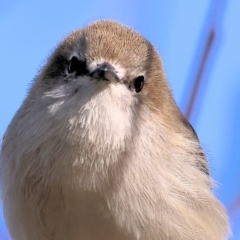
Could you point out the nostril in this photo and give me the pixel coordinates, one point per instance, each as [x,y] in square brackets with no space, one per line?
[98,73]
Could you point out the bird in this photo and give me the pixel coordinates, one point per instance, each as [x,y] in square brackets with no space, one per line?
[99,149]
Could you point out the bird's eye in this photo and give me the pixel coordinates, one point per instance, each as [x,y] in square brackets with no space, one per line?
[75,65]
[138,83]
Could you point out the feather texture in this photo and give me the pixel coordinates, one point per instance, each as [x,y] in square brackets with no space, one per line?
[104,162]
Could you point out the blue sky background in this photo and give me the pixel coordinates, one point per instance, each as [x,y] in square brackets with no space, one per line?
[29,30]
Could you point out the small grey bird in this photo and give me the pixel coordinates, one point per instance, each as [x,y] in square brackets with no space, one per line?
[100,150]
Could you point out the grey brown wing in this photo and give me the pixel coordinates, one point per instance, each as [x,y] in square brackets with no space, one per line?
[203,165]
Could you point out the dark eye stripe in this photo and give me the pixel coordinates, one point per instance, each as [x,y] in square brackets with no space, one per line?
[57,67]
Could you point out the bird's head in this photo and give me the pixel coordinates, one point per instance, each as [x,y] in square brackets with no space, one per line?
[104,78]
[106,56]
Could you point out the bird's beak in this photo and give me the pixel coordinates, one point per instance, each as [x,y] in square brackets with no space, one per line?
[105,71]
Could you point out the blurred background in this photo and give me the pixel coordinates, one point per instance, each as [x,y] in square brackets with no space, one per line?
[199,42]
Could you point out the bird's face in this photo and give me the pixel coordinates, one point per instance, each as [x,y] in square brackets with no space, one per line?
[99,80]
[102,56]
